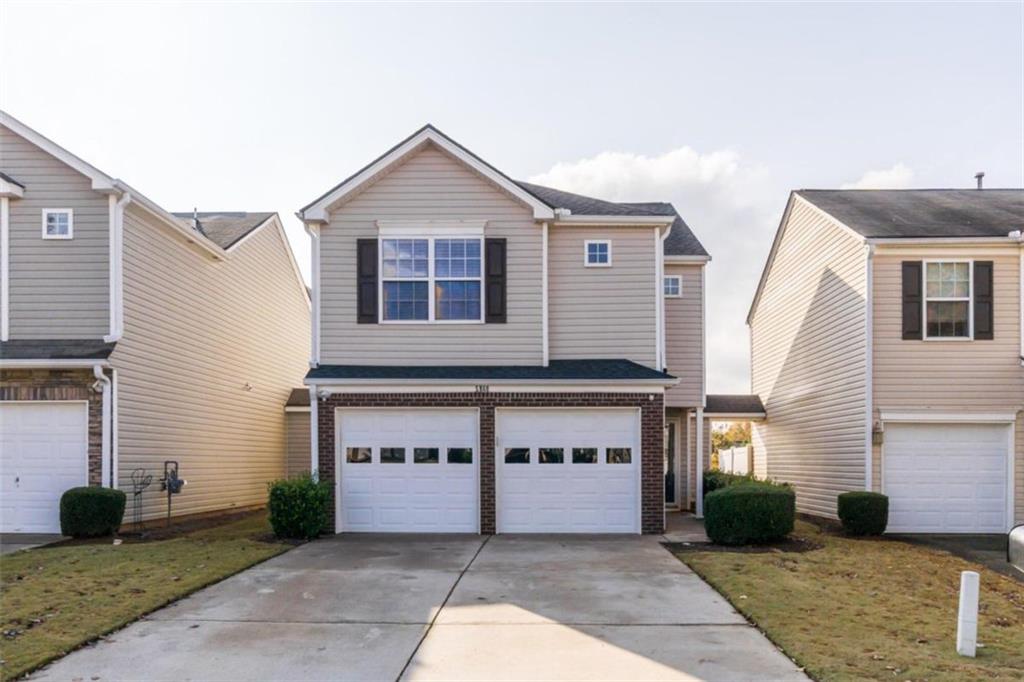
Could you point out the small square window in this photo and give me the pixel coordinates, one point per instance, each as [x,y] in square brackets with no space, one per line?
[550,455]
[584,455]
[460,455]
[392,455]
[426,455]
[619,455]
[597,253]
[673,286]
[517,455]
[357,455]
[58,223]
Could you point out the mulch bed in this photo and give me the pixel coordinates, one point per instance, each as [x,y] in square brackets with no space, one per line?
[791,544]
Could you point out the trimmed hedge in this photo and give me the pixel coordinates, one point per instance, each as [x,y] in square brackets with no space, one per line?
[864,513]
[90,512]
[298,507]
[716,480]
[752,513]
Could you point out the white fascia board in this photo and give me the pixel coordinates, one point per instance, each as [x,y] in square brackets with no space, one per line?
[916,417]
[173,222]
[942,241]
[46,364]
[11,190]
[318,211]
[686,260]
[615,221]
[101,182]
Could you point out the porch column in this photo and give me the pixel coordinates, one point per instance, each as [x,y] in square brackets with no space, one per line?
[699,474]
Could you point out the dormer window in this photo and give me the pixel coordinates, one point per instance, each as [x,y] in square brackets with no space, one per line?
[597,253]
[58,223]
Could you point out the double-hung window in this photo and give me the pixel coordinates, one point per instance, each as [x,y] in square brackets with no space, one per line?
[947,300]
[431,279]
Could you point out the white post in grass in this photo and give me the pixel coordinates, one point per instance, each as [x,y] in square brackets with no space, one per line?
[967,620]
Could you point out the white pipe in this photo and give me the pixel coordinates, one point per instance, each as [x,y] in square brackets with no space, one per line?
[104,382]
[659,244]
[314,440]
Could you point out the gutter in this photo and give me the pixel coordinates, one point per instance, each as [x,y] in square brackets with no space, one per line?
[51,364]
[614,220]
[104,387]
[320,381]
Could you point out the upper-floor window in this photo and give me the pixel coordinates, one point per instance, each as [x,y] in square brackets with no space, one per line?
[673,286]
[947,296]
[597,253]
[58,223]
[431,279]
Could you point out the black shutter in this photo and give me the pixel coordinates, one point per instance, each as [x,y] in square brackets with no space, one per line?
[911,299]
[366,281]
[983,325]
[495,276]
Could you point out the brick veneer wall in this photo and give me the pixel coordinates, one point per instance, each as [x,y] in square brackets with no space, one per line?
[652,416]
[61,384]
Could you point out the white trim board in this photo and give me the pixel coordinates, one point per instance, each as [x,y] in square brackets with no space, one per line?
[949,417]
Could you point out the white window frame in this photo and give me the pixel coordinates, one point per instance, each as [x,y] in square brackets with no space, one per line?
[679,286]
[938,299]
[430,279]
[70,213]
[586,253]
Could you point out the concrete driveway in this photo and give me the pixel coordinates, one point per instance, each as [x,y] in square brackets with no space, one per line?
[374,607]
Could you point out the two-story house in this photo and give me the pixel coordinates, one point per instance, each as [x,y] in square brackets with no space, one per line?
[495,356]
[886,345]
[132,336]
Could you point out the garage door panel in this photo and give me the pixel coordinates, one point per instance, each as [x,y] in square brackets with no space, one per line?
[946,478]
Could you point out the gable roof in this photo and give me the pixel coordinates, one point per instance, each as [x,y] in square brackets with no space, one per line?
[56,349]
[226,228]
[923,213]
[681,241]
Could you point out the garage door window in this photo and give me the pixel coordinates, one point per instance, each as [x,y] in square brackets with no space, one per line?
[551,455]
[619,455]
[357,455]
[392,455]
[517,455]
[584,455]
[426,455]
[460,455]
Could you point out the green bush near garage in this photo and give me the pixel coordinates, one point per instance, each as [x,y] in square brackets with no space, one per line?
[753,513]
[716,480]
[298,507]
[91,511]
[863,513]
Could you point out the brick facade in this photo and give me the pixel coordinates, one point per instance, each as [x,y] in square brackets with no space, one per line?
[61,384]
[652,419]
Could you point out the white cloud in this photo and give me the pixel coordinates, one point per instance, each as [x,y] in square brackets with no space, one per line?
[732,205]
[898,177]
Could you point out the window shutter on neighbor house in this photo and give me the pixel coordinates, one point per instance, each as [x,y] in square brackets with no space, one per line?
[366,281]
[496,275]
[912,323]
[983,309]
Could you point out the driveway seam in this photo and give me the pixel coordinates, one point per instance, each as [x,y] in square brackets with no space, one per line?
[437,613]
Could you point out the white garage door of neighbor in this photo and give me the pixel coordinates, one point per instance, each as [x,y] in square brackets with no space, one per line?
[946,478]
[408,471]
[43,452]
[568,471]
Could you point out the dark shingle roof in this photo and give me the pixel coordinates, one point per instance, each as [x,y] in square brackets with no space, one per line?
[734,404]
[226,228]
[8,178]
[680,242]
[56,349]
[299,397]
[557,370]
[924,213]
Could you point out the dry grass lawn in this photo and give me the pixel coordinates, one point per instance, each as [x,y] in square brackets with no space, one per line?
[54,599]
[870,608]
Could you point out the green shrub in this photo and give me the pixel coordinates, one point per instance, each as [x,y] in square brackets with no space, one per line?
[864,513]
[716,480]
[298,507]
[752,513]
[90,512]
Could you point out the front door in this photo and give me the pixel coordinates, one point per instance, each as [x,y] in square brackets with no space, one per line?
[671,475]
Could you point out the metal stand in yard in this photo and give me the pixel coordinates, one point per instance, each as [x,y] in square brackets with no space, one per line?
[171,483]
[140,481]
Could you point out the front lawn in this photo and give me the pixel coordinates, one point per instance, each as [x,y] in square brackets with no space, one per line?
[53,599]
[869,608]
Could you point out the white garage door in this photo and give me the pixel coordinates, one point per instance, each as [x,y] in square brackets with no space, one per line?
[946,478]
[568,471]
[43,452]
[408,471]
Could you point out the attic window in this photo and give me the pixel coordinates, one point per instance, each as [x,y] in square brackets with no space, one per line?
[597,253]
[58,223]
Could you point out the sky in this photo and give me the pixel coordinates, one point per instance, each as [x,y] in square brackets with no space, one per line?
[719,108]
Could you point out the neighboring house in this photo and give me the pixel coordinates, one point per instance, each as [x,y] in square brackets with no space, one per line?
[496,356]
[131,336]
[886,344]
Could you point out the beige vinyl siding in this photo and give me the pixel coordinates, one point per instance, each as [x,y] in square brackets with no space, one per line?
[684,337]
[808,361]
[60,288]
[949,376]
[298,455]
[430,185]
[211,351]
[602,312]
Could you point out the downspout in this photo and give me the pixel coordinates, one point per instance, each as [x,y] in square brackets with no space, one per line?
[116,266]
[104,387]
[314,439]
[5,275]
[314,236]
[545,347]
[660,293]
[869,361]
[699,425]
[1019,236]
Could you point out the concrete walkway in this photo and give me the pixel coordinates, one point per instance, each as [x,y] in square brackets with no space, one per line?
[373,607]
[15,542]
